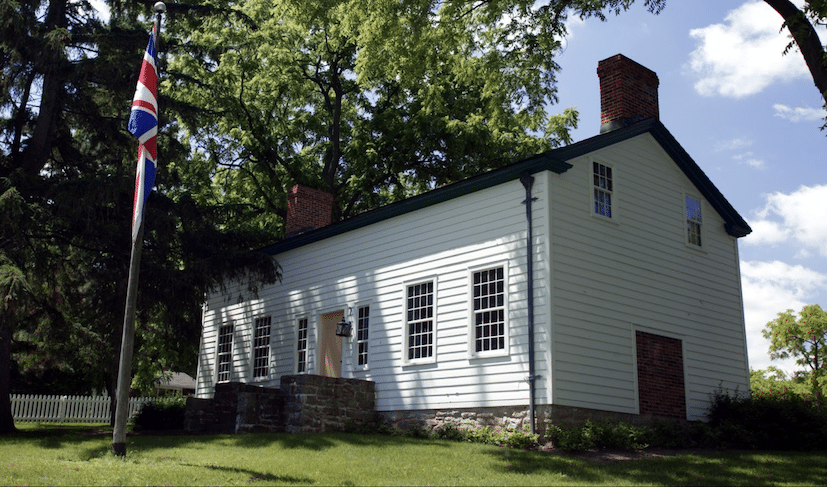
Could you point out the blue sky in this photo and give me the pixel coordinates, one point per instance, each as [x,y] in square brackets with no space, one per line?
[747,115]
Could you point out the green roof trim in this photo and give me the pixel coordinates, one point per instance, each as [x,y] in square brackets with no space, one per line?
[554,161]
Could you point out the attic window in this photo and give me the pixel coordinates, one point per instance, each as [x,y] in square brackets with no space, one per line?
[694,220]
[602,179]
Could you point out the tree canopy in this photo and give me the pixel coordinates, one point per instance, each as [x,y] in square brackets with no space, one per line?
[805,339]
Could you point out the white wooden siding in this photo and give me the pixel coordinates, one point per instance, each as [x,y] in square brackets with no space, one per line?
[636,270]
[372,265]
[595,281]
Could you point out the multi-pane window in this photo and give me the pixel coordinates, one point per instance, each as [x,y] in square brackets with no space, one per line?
[602,177]
[420,320]
[302,346]
[693,221]
[225,352]
[362,335]
[261,347]
[489,310]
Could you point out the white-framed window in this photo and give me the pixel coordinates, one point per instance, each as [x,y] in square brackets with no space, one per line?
[224,352]
[603,189]
[362,335]
[261,347]
[694,220]
[489,329]
[301,346]
[420,322]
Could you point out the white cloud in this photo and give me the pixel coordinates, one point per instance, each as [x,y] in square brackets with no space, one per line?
[733,144]
[770,288]
[798,218]
[748,159]
[743,55]
[799,114]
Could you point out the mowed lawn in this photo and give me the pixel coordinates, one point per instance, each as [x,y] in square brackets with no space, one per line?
[80,455]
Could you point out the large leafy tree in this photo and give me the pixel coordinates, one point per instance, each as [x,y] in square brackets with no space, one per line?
[371,100]
[805,339]
[66,180]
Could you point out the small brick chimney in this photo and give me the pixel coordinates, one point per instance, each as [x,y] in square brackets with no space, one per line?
[307,209]
[628,93]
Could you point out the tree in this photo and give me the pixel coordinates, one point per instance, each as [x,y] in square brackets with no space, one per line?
[805,339]
[353,97]
[800,24]
[66,181]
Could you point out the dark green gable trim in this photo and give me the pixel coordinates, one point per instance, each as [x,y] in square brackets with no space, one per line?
[554,161]
[541,162]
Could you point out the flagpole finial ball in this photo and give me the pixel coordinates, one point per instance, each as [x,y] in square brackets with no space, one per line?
[160,7]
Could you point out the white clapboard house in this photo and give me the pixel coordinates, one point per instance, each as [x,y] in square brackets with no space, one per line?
[598,277]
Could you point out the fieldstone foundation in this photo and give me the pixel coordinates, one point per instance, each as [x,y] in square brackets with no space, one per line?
[303,403]
[505,418]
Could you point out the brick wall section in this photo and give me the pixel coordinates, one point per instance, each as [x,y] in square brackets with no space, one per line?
[661,390]
[628,92]
[307,209]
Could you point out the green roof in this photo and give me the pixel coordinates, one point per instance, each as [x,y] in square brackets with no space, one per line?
[554,161]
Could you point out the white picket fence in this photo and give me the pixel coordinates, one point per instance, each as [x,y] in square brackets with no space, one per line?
[67,409]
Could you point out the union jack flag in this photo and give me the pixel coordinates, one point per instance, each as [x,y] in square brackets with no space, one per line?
[143,124]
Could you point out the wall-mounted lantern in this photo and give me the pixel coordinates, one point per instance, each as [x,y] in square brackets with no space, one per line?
[344,328]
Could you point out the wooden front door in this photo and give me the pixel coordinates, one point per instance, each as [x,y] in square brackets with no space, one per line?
[331,345]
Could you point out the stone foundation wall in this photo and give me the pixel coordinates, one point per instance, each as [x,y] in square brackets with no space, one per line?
[504,418]
[303,403]
[317,404]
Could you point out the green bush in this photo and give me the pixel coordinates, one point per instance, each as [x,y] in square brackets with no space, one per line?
[521,439]
[164,413]
[598,434]
[487,436]
[775,421]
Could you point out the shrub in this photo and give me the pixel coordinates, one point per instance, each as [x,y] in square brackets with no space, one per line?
[600,434]
[165,413]
[521,439]
[778,421]
[487,436]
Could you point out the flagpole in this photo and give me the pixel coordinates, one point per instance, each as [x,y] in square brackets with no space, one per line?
[128,339]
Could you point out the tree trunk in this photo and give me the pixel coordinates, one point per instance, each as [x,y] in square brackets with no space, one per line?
[39,146]
[6,418]
[807,40]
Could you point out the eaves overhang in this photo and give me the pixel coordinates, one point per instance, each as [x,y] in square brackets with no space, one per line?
[555,161]
[546,161]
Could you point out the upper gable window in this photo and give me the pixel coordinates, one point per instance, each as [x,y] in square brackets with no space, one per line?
[603,189]
[694,221]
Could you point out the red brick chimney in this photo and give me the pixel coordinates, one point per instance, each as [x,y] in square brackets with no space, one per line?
[307,209]
[628,93]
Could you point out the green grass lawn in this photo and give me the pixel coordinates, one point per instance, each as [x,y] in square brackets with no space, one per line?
[80,455]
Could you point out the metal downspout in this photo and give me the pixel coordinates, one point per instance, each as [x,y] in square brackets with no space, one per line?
[528,180]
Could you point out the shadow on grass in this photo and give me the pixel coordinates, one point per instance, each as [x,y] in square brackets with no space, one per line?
[256,476]
[721,468]
[323,441]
